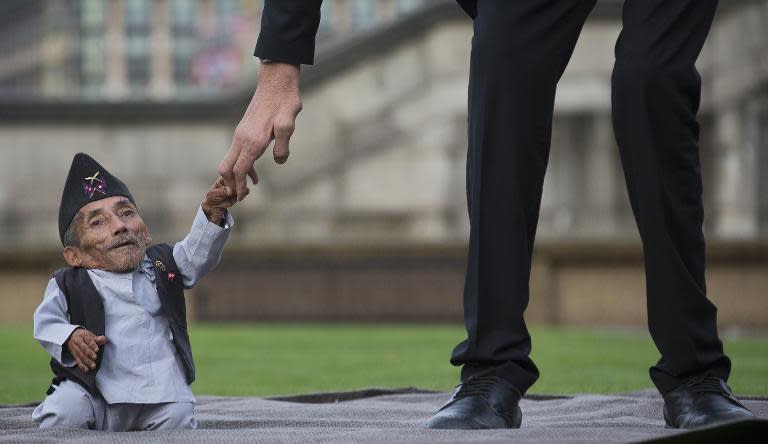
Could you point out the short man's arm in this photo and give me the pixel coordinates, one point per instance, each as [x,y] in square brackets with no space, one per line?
[200,251]
[67,343]
[287,38]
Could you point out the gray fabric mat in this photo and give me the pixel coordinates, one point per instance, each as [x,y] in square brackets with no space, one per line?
[385,416]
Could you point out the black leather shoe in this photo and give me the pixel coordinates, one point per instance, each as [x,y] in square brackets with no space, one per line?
[481,402]
[702,401]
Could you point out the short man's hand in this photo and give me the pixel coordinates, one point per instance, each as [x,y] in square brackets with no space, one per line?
[271,115]
[84,346]
[219,198]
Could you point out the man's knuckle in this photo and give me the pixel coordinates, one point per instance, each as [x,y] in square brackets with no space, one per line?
[241,131]
[258,141]
[225,172]
[295,105]
[284,128]
[242,141]
[248,138]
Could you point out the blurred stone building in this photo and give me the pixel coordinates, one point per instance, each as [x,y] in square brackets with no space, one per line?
[150,49]
[368,219]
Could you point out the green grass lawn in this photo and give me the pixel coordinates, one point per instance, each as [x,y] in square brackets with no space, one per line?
[270,359]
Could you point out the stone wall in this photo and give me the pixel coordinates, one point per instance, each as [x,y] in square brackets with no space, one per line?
[572,283]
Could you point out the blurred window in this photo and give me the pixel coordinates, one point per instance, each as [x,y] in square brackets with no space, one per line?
[137,47]
[227,8]
[362,13]
[184,40]
[326,18]
[92,14]
[761,119]
[406,6]
[137,13]
[92,46]
[93,57]
[183,13]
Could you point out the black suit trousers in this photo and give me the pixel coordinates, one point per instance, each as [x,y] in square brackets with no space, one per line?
[519,51]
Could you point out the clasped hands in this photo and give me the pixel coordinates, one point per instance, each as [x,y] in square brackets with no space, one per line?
[219,198]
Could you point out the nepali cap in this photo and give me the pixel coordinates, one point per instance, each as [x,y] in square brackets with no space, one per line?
[87,182]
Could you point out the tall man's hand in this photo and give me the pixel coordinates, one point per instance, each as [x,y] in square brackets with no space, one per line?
[271,115]
[84,345]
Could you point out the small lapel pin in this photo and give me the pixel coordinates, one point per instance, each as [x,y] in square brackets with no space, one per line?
[171,275]
[159,265]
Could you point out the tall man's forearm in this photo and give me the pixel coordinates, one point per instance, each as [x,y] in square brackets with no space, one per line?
[288,29]
[287,37]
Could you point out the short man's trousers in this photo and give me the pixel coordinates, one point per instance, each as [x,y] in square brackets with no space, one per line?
[70,405]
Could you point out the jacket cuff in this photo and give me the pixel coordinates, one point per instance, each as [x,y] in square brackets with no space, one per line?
[296,52]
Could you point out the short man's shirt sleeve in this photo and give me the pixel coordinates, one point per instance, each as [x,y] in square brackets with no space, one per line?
[288,29]
[200,251]
[52,327]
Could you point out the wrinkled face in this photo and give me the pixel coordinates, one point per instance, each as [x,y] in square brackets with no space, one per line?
[111,236]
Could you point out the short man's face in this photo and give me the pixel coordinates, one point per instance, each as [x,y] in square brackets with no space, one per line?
[112,236]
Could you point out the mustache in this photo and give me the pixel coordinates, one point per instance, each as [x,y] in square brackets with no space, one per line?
[124,239]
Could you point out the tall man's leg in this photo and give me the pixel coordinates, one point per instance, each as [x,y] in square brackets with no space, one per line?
[519,51]
[656,91]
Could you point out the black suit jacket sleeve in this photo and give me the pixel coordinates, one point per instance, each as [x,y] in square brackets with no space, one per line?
[288,29]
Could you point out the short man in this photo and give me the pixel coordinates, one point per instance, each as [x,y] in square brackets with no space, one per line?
[520,48]
[115,321]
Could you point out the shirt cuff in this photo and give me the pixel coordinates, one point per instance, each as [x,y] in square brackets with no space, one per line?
[66,359]
[203,225]
[59,352]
